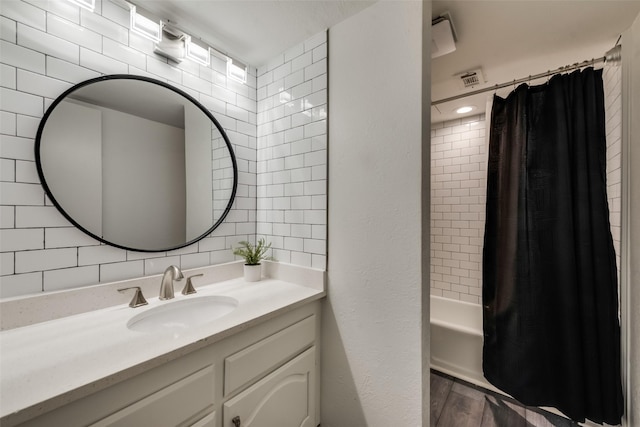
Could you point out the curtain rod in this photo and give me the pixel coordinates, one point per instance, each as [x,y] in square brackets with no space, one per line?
[613,54]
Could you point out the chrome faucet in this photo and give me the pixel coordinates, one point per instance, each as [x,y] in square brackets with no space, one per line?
[166,288]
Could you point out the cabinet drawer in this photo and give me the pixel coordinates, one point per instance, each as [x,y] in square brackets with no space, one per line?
[170,406]
[284,398]
[260,358]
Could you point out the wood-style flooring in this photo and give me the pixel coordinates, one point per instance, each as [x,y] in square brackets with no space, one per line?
[455,403]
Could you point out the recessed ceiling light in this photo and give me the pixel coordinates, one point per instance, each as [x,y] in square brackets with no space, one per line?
[465,109]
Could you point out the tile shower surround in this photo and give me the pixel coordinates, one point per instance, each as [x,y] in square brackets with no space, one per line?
[458,193]
[458,189]
[48,46]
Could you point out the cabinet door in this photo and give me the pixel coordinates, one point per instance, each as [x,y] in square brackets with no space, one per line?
[284,398]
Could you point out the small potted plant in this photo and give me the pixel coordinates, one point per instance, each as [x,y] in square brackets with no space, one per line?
[252,255]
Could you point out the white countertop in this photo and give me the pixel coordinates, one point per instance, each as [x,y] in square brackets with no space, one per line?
[48,364]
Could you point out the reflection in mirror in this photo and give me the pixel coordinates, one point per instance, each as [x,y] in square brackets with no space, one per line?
[136,163]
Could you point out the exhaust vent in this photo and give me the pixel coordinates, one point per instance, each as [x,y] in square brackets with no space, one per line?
[443,36]
[471,78]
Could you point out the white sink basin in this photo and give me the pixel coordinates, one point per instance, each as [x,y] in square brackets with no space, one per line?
[182,315]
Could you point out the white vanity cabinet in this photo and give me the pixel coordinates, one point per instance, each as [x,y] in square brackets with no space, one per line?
[188,400]
[263,375]
[180,392]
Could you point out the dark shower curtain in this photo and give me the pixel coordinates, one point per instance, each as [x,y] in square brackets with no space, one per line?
[551,328]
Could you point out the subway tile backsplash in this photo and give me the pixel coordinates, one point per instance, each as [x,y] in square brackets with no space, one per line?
[292,130]
[48,46]
[458,194]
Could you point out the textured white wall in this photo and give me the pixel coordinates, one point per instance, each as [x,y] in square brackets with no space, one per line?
[372,334]
[631,167]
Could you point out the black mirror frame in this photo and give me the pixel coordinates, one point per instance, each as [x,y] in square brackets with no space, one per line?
[38,142]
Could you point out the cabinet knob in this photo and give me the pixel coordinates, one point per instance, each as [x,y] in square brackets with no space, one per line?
[236,421]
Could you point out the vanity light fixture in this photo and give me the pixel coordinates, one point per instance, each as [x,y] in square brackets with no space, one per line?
[144,24]
[172,45]
[198,51]
[236,70]
[465,109]
[90,5]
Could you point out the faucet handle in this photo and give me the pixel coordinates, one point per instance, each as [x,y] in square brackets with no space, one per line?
[138,299]
[188,287]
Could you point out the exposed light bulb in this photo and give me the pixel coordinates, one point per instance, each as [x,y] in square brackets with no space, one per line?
[236,70]
[198,52]
[145,26]
[90,5]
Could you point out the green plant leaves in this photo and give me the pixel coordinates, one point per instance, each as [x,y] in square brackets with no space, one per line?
[253,254]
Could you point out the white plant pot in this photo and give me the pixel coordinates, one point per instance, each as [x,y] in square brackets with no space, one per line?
[252,273]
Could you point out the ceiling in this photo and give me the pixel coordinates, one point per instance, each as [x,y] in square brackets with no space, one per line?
[254,31]
[512,39]
[508,39]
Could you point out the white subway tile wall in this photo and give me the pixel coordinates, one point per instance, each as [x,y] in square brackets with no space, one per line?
[458,195]
[612,77]
[46,48]
[292,153]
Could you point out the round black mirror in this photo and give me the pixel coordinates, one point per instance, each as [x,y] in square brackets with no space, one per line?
[136,163]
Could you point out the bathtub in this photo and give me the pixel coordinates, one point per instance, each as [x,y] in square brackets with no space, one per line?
[456,340]
[456,343]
